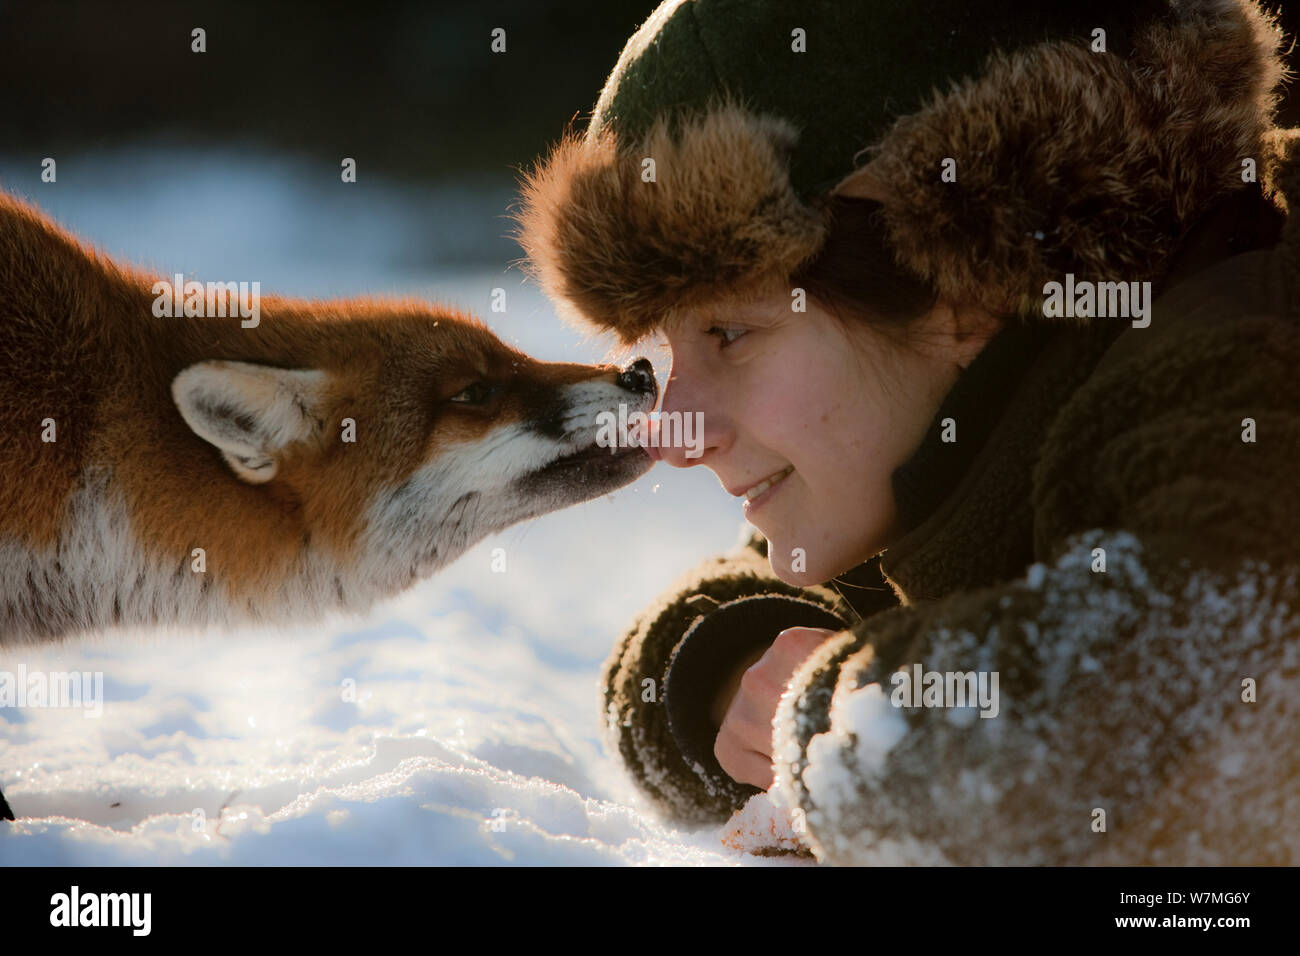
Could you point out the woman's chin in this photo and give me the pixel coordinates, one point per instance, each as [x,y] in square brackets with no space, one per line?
[797,579]
[791,568]
[794,564]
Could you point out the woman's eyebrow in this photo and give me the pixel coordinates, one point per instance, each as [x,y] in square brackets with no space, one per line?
[753,313]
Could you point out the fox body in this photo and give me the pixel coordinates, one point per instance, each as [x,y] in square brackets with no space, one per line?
[194,471]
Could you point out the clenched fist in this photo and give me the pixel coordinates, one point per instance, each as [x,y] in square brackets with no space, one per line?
[744,743]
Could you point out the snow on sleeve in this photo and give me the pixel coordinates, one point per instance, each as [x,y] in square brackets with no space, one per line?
[1113,687]
[864,728]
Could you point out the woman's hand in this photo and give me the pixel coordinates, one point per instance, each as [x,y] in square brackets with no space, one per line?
[744,743]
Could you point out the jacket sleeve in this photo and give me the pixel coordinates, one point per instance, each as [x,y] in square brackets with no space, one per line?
[1147,666]
[729,606]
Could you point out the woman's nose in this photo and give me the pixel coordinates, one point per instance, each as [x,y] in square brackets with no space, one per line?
[685,433]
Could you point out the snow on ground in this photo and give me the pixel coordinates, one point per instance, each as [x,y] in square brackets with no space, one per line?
[456,724]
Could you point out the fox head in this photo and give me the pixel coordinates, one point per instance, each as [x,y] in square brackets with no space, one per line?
[406,438]
[165,466]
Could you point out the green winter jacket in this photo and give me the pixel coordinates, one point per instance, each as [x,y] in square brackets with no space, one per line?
[1115,533]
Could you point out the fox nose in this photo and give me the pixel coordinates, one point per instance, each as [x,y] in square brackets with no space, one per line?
[639,377]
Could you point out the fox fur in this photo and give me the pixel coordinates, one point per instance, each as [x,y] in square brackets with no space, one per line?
[175,434]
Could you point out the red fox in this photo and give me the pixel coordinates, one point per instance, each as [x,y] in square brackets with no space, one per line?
[159,468]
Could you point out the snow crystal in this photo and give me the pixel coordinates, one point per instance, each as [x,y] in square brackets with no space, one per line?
[1230,765]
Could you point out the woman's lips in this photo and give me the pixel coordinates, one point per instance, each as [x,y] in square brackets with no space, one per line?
[767,482]
[762,492]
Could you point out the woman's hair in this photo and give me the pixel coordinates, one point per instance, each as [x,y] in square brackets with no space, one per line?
[855,276]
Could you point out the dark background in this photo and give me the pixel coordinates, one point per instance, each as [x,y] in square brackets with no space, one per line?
[409,89]
[440,127]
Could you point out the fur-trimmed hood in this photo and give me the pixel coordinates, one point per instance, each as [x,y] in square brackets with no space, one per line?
[1066,160]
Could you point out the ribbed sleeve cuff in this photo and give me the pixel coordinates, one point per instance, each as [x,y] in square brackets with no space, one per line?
[708,653]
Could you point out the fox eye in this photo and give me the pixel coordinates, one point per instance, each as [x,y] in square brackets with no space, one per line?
[726,335]
[476,394]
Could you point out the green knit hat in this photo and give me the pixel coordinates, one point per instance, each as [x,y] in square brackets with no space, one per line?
[853,69]
[1080,138]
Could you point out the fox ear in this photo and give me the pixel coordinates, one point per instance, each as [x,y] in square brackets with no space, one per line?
[251,412]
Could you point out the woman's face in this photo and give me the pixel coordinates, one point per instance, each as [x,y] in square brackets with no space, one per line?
[823,413]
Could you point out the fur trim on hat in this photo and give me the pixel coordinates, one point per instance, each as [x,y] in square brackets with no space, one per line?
[720,214]
[1074,161]
[1067,161]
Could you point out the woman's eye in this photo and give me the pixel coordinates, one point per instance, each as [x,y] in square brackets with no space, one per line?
[726,335]
[476,394]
